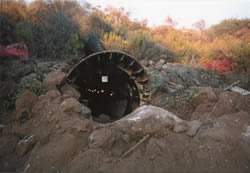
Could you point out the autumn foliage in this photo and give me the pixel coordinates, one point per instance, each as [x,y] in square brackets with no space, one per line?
[71,29]
[220,65]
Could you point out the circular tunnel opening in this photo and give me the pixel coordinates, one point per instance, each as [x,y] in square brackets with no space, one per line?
[107,83]
[109,91]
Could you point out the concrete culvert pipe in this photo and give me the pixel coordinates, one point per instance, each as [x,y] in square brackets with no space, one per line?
[112,83]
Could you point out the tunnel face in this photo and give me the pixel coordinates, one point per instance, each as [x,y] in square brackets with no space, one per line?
[112,83]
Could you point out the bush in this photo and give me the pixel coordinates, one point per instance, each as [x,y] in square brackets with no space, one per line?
[137,43]
[112,41]
[57,38]
[7,28]
[62,29]
[24,33]
[27,83]
[229,26]
[74,46]
[242,62]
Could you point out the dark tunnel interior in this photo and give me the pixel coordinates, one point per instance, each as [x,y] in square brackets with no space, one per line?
[107,89]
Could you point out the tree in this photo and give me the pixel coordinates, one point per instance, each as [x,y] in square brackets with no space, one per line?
[200,25]
[118,17]
[170,21]
[14,9]
[229,26]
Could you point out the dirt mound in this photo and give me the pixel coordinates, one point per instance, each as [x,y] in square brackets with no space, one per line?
[58,136]
[228,103]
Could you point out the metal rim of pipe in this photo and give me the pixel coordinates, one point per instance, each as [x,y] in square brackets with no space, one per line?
[108,64]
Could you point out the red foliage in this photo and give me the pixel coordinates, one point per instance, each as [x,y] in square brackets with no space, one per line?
[19,50]
[223,65]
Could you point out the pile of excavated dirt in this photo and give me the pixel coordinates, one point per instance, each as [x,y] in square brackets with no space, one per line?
[175,86]
[53,132]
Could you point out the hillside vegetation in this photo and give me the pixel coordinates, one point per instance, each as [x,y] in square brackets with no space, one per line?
[67,29]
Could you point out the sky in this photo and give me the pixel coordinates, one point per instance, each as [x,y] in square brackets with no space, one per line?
[185,12]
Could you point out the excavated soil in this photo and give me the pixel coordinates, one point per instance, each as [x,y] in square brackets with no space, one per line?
[54,132]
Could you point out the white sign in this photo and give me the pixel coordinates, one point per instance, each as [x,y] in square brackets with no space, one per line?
[104,79]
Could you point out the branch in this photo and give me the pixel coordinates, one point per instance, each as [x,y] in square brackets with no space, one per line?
[230,86]
[134,147]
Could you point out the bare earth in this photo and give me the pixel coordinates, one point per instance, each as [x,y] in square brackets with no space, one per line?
[53,133]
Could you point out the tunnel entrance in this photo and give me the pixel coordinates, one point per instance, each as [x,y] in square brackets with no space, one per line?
[108,91]
[112,83]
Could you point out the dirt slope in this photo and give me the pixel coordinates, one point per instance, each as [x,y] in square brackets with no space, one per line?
[53,132]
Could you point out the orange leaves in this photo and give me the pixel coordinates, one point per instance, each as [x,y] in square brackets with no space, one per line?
[113,41]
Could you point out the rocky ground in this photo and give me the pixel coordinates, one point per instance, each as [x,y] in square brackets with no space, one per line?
[194,123]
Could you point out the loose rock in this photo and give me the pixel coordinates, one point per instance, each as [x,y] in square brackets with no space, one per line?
[71,106]
[68,91]
[101,138]
[24,105]
[56,77]
[206,95]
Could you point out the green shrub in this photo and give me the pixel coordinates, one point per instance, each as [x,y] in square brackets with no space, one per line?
[56,38]
[74,46]
[137,43]
[229,26]
[27,83]
[7,28]
[242,62]
[31,84]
